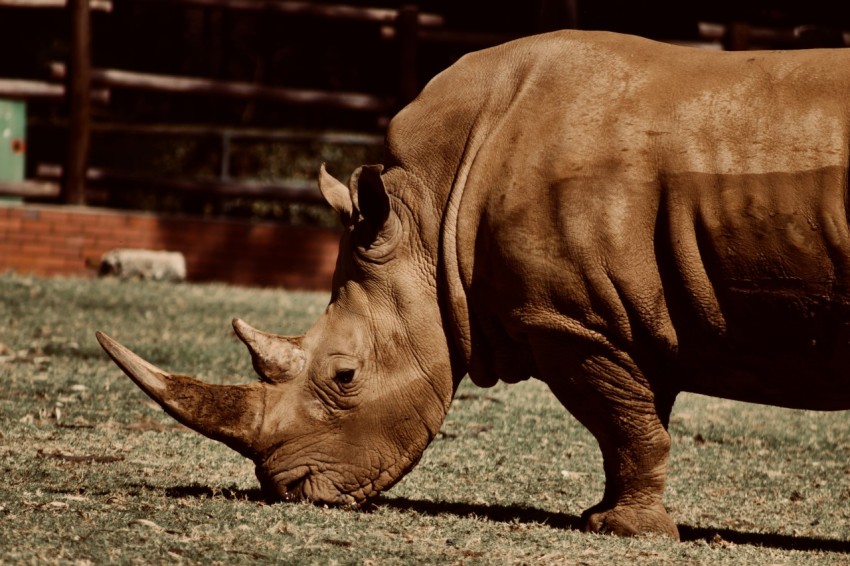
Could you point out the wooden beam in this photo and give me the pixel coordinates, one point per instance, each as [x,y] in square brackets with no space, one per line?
[742,34]
[26,90]
[231,89]
[275,134]
[241,133]
[95,5]
[471,39]
[407,27]
[79,102]
[18,88]
[29,188]
[289,189]
[335,11]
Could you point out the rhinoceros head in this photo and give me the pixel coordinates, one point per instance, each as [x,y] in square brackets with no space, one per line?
[344,411]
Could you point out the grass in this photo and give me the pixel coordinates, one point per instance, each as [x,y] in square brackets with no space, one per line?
[94,472]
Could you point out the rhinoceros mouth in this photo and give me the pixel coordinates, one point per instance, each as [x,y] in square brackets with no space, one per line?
[289,485]
[303,484]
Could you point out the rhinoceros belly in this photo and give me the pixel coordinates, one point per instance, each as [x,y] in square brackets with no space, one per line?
[793,355]
[767,310]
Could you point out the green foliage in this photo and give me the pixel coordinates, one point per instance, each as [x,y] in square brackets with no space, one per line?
[94,472]
[185,156]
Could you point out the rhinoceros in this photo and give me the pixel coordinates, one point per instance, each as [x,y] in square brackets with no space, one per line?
[622,219]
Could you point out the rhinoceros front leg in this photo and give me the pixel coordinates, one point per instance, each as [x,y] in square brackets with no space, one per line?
[609,396]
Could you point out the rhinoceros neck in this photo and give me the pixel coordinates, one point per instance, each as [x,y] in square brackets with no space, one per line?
[455,303]
[437,140]
[435,201]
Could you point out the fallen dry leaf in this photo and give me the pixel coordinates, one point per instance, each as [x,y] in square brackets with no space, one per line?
[149,424]
[148,524]
[718,541]
[337,542]
[80,459]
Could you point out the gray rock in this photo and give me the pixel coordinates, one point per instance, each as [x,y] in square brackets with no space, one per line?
[143,264]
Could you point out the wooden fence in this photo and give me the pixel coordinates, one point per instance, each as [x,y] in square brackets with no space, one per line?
[81,86]
[57,240]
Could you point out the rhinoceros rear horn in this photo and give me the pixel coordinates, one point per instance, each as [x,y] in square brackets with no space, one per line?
[275,358]
[231,414]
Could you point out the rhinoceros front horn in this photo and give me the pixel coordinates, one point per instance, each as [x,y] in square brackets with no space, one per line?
[231,414]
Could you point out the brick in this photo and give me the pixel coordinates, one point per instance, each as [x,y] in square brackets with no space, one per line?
[38,250]
[17,260]
[64,228]
[21,237]
[54,216]
[98,230]
[35,225]
[143,222]
[117,221]
[70,242]
[9,226]
[51,262]
[66,251]
[112,240]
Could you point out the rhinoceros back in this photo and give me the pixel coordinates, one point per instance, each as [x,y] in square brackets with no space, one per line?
[683,206]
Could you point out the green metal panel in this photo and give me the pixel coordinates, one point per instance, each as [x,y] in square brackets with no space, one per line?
[13,117]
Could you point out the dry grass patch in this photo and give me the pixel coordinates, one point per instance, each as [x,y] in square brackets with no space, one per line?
[94,472]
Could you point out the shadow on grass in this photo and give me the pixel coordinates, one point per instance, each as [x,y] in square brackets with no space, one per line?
[205,492]
[530,515]
[767,540]
[513,513]
[498,513]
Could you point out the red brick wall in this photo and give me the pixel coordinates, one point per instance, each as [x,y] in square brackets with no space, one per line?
[59,240]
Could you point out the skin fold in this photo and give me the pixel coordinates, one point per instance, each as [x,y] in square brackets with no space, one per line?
[619,218]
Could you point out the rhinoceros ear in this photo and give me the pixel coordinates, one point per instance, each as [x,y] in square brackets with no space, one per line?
[337,194]
[369,195]
[365,199]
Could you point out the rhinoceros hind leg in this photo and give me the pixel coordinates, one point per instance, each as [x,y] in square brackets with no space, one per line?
[614,401]
[629,520]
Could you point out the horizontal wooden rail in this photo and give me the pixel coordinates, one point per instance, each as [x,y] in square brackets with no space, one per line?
[26,89]
[462,38]
[99,5]
[290,189]
[234,133]
[335,11]
[718,32]
[29,188]
[230,89]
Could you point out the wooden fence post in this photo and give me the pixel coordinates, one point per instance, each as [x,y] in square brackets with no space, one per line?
[407,33]
[79,103]
[737,37]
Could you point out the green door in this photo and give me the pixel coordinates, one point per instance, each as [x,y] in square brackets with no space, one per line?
[13,115]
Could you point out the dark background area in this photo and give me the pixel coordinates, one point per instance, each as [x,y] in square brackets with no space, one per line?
[306,52]
[341,55]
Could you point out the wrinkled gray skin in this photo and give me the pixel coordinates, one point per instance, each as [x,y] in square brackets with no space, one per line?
[622,219]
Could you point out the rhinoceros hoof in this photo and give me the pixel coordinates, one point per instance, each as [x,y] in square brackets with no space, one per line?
[630,520]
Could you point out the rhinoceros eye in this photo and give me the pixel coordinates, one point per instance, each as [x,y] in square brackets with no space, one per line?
[344,376]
